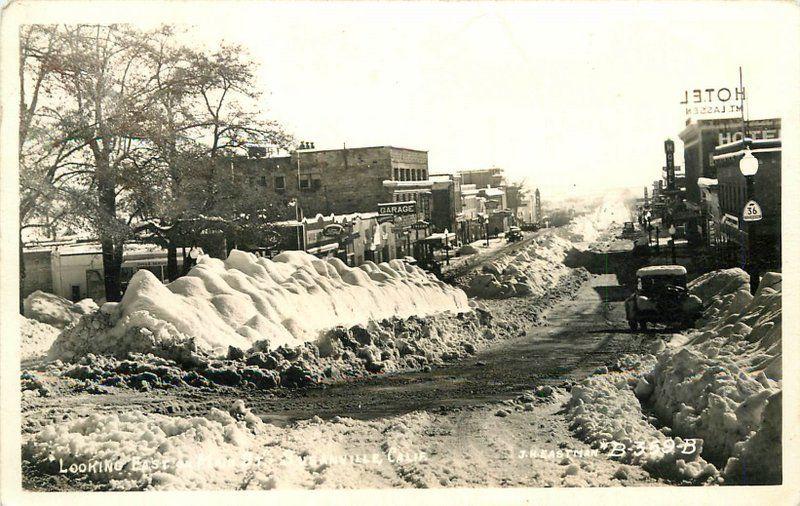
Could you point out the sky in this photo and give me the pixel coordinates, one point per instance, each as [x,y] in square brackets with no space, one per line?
[569,97]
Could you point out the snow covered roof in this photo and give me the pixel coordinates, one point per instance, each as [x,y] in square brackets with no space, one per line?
[493,192]
[440,178]
[736,154]
[706,181]
[661,270]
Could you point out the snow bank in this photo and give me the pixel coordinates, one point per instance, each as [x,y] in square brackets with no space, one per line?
[54,310]
[591,227]
[719,283]
[35,337]
[245,299]
[529,271]
[724,384]
[605,412]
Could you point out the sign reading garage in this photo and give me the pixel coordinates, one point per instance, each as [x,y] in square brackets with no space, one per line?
[398,208]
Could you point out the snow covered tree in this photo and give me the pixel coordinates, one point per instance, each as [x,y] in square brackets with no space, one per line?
[130,131]
[205,112]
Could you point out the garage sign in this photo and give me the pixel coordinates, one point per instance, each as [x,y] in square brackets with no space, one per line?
[752,211]
[398,208]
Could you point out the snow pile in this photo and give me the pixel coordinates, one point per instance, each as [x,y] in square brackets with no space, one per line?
[605,412]
[35,337]
[246,300]
[529,271]
[54,310]
[591,227]
[133,451]
[724,384]
[716,284]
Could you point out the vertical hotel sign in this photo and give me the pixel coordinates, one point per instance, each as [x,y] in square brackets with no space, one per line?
[669,149]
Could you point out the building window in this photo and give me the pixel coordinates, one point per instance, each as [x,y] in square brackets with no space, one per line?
[263,181]
[397,174]
[424,174]
[280,183]
[305,183]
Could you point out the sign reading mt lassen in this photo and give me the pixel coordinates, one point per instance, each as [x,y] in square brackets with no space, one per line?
[711,101]
[398,208]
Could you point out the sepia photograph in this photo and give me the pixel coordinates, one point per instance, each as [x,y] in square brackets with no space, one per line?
[466,246]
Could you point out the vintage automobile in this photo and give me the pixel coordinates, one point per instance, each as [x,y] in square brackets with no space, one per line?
[628,231]
[514,234]
[661,297]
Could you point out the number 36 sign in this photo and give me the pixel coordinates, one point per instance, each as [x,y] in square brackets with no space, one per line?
[752,211]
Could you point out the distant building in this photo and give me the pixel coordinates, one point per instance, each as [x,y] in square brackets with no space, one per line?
[491,186]
[75,270]
[446,205]
[473,212]
[484,178]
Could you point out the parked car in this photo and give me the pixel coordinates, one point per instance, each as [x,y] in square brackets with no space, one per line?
[514,234]
[661,296]
[628,231]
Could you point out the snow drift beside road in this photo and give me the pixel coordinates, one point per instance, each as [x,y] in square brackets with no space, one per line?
[35,337]
[529,271]
[590,227]
[245,299]
[724,384]
[54,310]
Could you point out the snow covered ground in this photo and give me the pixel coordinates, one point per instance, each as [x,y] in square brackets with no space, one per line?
[46,315]
[523,441]
[714,392]
[532,270]
[593,226]
[36,338]
[54,310]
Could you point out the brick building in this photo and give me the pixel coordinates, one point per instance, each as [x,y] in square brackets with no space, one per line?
[342,181]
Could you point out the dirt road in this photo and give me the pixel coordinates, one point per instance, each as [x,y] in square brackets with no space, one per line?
[473,423]
[581,335]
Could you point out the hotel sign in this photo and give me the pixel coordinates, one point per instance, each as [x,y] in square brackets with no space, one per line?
[398,208]
[707,101]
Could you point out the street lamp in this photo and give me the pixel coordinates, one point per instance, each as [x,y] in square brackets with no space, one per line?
[446,247]
[672,242]
[748,166]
